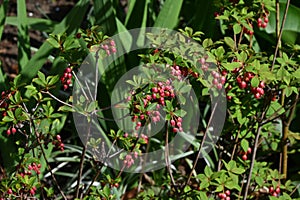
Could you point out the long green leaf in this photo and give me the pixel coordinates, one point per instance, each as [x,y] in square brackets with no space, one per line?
[168,17]
[7,148]
[291,29]
[106,18]
[135,11]
[104,14]
[23,36]
[69,24]
[44,25]
[127,42]
[200,16]
[3,10]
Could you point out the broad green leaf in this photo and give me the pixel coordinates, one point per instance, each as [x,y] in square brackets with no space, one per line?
[66,108]
[23,35]
[104,15]
[231,66]
[296,74]
[125,36]
[245,145]
[229,41]
[237,170]
[200,15]
[254,82]
[237,28]
[39,24]
[3,11]
[275,107]
[291,27]
[69,24]
[168,17]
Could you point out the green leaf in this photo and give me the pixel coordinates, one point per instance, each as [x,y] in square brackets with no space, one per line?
[291,27]
[52,80]
[231,66]
[7,119]
[169,14]
[229,41]
[255,81]
[237,28]
[275,107]
[207,171]
[238,170]
[69,24]
[185,89]
[39,82]
[23,35]
[39,24]
[274,145]
[124,35]
[104,12]
[203,195]
[245,144]
[42,77]
[53,41]
[3,11]
[259,180]
[66,108]
[296,74]
[180,113]
[92,106]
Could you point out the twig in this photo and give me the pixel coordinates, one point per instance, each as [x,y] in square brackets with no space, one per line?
[281,29]
[143,164]
[96,74]
[236,142]
[75,76]
[252,161]
[167,159]
[202,143]
[240,192]
[286,127]
[82,161]
[57,99]
[48,165]
[99,170]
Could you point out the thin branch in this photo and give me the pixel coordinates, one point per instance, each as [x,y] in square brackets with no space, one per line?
[286,127]
[57,99]
[96,74]
[143,164]
[278,45]
[82,161]
[75,76]
[252,161]
[167,159]
[202,143]
[48,165]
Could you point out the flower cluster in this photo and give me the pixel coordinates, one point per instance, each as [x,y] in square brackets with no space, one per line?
[109,47]
[66,78]
[58,143]
[243,79]
[159,93]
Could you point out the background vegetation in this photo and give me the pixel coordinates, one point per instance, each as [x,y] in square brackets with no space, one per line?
[254,44]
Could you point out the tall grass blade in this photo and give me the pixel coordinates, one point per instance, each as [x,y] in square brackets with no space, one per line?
[3,10]
[168,17]
[70,25]
[39,24]
[23,35]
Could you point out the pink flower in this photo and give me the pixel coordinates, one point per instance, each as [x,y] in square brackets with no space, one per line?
[128,161]
[112,43]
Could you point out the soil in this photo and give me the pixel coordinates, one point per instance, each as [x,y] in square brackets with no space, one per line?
[51,9]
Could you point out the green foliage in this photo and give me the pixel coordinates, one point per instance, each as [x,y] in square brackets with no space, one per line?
[40,149]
